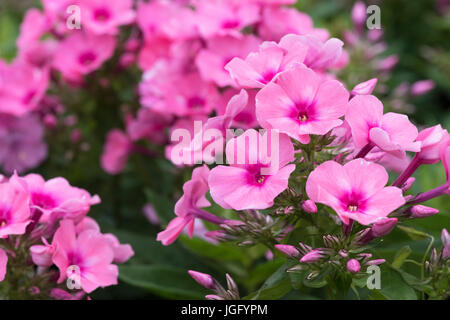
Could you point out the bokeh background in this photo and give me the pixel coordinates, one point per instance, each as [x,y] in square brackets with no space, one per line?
[418,32]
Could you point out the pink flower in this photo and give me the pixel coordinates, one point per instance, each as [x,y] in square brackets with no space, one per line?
[149,125]
[355,191]
[188,207]
[3,263]
[122,252]
[89,251]
[252,182]
[260,68]
[14,207]
[42,254]
[365,87]
[22,86]
[56,198]
[391,132]
[105,16]
[222,17]
[359,15]
[245,118]
[80,54]
[433,139]
[421,87]
[276,22]
[22,142]
[116,151]
[221,50]
[298,103]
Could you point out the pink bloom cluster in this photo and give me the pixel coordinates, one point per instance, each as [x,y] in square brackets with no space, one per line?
[46,220]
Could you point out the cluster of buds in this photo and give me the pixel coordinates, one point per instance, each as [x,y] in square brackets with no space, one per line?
[220,293]
[438,268]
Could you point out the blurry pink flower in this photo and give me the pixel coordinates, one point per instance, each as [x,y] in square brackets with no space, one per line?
[421,87]
[3,263]
[14,207]
[279,21]
[149,125]
[391,132]
[244,185]
[81,53]
[388,63]
[89,251]
[222,17]
[245,118]
[116,151]
[298,103]
[22,86]
[221,50]
[150,214]
[22,143]
[166,19]
[105,16]
[122,252]
[359,15]
[355,191]
[56,198]
[260,68]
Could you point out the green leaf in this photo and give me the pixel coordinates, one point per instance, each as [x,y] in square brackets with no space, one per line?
[401,257]
[393,287]
[165,281]
[414,233]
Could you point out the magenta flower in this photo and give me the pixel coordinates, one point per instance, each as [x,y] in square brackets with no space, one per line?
[56,198]
[221,50]
[22,143]
[355,191]
[80,54]
[299,103]
[105,16]
[14,207]
[89,251]
[22,86]
[42,254]
[353,266]
[433,140]
[244,184]
[391,132]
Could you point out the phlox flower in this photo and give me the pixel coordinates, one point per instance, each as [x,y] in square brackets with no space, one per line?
[221,50]
[188,207]
[223,17]
[433,140]
[242,118]
[149,125]
[244,184]
[391,132]
[56,198]
[355,190]
[279,21]
[14,207]
[105,16]
[22,142]
[89,251]
[116,151]
[299,103]
[82,53]
[260,68]
[22,86]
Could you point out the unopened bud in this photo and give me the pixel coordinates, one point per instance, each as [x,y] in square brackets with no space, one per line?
[375,262]
[203,279]
[445,237]
[309,206]
[213,297]
[421,87]
[383,227]
[421,211]
[365,88]
[231,284]
[288,250]
[353,266]
[408,184]
[312,256]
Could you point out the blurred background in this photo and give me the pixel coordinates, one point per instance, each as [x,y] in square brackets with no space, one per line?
[416,39]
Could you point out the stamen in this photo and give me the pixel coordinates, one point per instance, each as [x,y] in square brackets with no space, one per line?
[302,117]
[352,208]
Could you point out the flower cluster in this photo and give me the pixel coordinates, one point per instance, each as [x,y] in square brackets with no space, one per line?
[49,247]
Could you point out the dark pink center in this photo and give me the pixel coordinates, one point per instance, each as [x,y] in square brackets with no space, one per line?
[196,102]
[353,202]
[254,175]
[29,96]
[230,24]
[43,201]
[87,58]
[102,15]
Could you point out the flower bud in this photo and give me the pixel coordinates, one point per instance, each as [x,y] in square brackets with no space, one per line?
[203,279]
[288,250]
[359,15]
[213,297]
[388,63]
[445,237]
[446,251]
[232,286]
[312,256]
[432,140]
[408,184]
[353,266]
[383,227]
[421,211]
[375,262]
[365,88]
[309,206]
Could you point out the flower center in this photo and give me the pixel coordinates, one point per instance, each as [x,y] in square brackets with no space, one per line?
[230,24]
[102,15]
[260,179]
[2,223]
[87,58]
[195,103]
[352,208]
[302,117]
